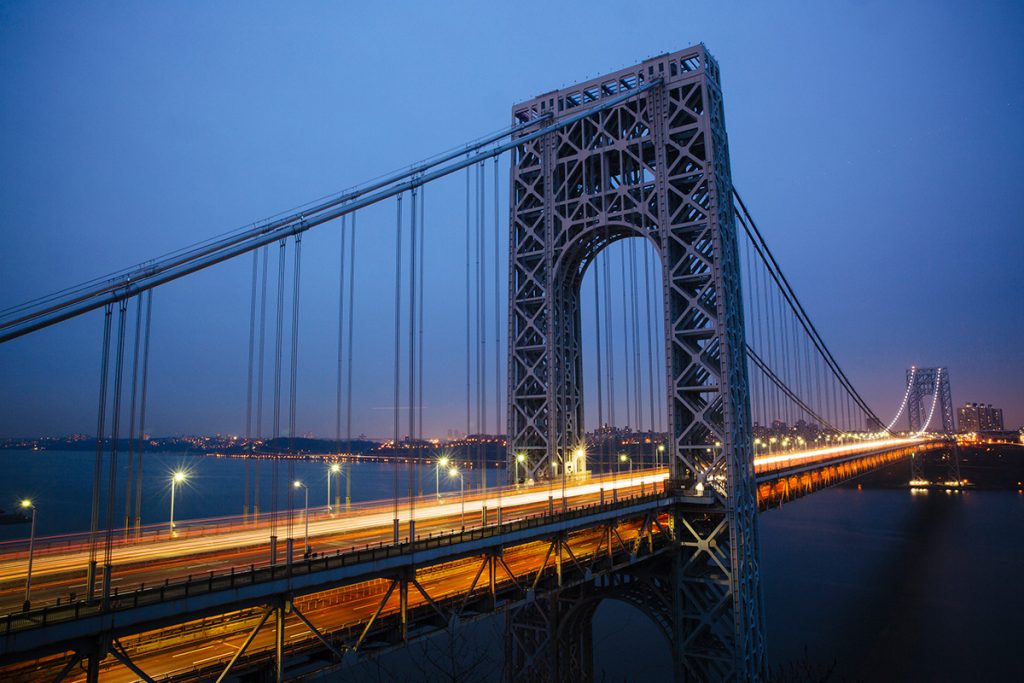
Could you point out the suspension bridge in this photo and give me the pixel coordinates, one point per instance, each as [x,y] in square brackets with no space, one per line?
[716,398]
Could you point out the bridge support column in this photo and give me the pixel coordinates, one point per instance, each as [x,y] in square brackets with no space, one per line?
[403,607]
[94,657]
[280,612]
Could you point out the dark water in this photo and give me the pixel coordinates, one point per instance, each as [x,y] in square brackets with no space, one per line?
[884,584]
[60,485]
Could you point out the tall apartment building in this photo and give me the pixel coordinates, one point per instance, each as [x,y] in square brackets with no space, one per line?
[979,417]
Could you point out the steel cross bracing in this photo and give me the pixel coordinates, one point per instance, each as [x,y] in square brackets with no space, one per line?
[654,166]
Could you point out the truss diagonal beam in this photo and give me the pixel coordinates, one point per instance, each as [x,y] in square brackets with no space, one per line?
[245,645]
[316,632]
[117,650]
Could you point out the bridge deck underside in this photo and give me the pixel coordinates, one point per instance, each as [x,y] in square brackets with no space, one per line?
[776,488]
[464,589]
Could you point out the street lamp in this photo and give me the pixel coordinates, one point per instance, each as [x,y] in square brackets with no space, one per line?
[441,462]
[624,458]
[27,504]
[178,477]
[305,514]
[520,460]
[579,455]
[661,453]
[454,472]
[334,469]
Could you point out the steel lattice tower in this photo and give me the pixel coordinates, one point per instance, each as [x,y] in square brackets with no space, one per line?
[655,166]
[925,382]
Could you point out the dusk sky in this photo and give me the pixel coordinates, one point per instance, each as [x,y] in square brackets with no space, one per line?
[879,146]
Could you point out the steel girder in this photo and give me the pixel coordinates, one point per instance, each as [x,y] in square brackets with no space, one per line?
[655,166]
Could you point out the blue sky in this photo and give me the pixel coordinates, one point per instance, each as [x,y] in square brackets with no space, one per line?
[878,145]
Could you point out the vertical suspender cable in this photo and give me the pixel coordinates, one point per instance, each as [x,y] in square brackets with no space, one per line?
[115,424]
[469,319]
[101,424]
[341,336]
[638,400]
[419,369]
[294,374]
[348,397]
[750,294]
[481,336]
[398,355]
[597,325]
[278,344]
[130,474]
[497,308]
[625,336]
[140,443]
[259,382]
[609,339]
[650,340]
[413,253]
[249,382]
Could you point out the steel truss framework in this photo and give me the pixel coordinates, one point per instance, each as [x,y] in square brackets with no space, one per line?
[655,166]
[574,548]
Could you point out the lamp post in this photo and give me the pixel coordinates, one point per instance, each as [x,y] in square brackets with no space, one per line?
[623,458]
[520,460]
[441,462]
[27,504]
[661,453]
[334,469]
[176,478]
[305,516]
[454,472]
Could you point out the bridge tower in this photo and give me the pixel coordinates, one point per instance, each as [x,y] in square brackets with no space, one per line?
[929,382]
[934,383]
[654,166]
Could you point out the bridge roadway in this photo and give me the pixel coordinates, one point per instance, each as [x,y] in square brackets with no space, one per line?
[206,560]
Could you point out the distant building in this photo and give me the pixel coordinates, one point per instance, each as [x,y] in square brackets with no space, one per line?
[979,417]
